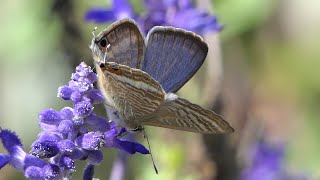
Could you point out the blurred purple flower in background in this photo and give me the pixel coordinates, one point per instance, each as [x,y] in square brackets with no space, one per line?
[267,163]
[67,135]
[177,13]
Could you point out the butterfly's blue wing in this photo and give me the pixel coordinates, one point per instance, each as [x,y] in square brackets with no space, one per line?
[126,43]
[173,56]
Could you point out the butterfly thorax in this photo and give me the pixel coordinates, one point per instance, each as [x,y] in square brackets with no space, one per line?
[133,93]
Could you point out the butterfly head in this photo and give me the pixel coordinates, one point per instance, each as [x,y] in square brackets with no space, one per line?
[99,47]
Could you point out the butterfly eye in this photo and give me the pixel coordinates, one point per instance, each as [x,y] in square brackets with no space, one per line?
[103,42]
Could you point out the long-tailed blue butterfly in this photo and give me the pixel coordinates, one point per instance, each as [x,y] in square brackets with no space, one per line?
[138,77]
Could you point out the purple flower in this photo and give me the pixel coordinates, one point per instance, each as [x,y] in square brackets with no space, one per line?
[267,162]
[177,13]
[31,166]
[73,133]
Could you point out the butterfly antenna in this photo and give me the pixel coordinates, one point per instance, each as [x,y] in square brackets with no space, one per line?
[93,31]
[154,165]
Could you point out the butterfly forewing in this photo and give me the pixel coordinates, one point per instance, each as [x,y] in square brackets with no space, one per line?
[172,56]
[126,43]
[178,113]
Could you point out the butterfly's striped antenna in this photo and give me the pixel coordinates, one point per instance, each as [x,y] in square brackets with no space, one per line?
[145,136]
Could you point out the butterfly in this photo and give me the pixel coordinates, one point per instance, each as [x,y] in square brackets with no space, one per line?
[138,77]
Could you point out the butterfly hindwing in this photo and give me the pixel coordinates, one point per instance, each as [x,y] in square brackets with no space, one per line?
[126,43]
[173,55]
[178,113]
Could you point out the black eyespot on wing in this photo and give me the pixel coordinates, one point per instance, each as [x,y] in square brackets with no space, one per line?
[102,66]
[103,42]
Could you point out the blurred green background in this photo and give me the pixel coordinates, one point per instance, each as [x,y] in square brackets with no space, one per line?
[271,57]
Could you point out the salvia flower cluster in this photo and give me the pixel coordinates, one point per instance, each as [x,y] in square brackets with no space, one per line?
[267,162]
[73,133]
[177,13]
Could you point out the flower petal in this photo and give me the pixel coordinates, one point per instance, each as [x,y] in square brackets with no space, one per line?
[92,77]
[10,140]
[66,146]
[4,160]
[66,126]
[50,117]
[82,109]
[84,84]
[51,171]
[76,96]
[44,149]
[88,172]
[50,136]
[99,15]
[95,157]
[33,172]
[65,92]
[67,163]
[130,147]
[90,141]
[96,123]
[95,96]
[67,113]
[31,160]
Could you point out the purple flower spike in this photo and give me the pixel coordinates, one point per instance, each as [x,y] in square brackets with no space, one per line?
[177,13]
[73,133]
[267,163]
[121,9]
